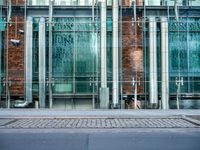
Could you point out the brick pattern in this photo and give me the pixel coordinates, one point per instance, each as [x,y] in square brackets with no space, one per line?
[139,2]
[98,123]
[15,55]
[128,2]
[132,54]
[18,2]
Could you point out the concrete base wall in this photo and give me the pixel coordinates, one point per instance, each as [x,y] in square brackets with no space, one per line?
[104,98]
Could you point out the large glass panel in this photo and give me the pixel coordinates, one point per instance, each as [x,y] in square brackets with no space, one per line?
[63,51]
[35,56]
[68,2]
[2,40]
[171,2]
[178,53]
[74,55]
[152,2]
[194,2]
[85,55]
[194,54]
[38,2]
[184,54]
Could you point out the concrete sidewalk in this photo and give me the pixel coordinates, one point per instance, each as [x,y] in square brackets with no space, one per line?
[57,113]
[52,118]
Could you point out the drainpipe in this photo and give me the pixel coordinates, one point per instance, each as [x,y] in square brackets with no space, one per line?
[28,59]
[28,63]
[115,92]
[104,90]
[153,88]
[42,64]
[164,63]
[176,10]
[9,11]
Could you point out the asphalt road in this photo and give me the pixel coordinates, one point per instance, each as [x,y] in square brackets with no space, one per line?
[100,139]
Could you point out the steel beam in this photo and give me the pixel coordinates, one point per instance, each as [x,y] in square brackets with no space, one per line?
[42,63]
[164,63]
[115,92]
[153,88]
[28,59]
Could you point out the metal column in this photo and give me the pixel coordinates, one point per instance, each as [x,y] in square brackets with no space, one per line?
[115,92]
[104,91]
[1,27]
[42,64]
[50,51]
[28,59]
[153,88]
[164,63]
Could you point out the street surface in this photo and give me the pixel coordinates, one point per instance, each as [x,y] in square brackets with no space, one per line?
[31,129]
[96,139]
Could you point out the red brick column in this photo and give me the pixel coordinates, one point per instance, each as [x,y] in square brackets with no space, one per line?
[18,2]
[132,54]
[14,56]
[128,2]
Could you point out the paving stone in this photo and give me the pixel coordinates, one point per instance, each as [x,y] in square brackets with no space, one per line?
[97,123]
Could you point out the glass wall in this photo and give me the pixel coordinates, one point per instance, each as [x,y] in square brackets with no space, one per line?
[181,2]
[76,55]
[184,59]
[68,2]
[2,52]
[184,54]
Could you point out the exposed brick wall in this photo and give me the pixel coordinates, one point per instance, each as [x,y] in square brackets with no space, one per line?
[128,2]
[18,2]
[132,54]
[14,56]
[139,2]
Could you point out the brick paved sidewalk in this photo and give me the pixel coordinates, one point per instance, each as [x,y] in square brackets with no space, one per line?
[97,123]
[45,118]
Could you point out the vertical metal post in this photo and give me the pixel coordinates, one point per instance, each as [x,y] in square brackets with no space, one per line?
[104,91]
[103,44]
[96,49]
[177,96]
[28,59]
[50,52]
[164,63]
[120,55]
[1,26]
[135,92]
[179,82]
[153,88]
[115,93]
[42,64]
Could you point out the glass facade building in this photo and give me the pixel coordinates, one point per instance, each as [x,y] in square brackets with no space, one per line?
[91,54]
